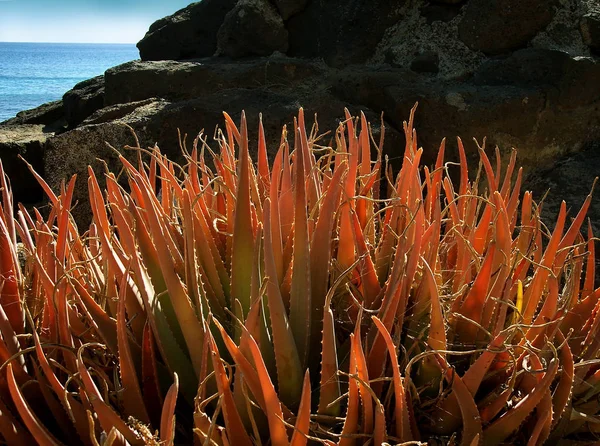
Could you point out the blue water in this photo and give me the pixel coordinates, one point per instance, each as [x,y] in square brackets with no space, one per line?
[34,73]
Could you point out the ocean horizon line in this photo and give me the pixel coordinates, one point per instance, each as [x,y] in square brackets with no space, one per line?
[69,43]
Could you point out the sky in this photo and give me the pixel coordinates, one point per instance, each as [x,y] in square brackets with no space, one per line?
[84,21]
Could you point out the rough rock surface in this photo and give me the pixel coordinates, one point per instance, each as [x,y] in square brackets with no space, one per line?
[50,114]
[27,141]
[497,26]
[342,31]
[190,32]
[252,28]
[83,100]
[288,8]
[590,29]
[520,79]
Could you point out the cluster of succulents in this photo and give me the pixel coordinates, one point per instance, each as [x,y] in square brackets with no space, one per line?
[314,300]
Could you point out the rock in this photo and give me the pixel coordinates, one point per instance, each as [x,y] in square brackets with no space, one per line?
[288,8]
[118,111]
[510,114]
[426,62]
[83,100]
[590,30]
[449,2]
[50,114]
[498,26]
[444,12]
[135,81]
[341,32]
[571,82]
[189,33]
[28,141]
[161,122]
[252,27]
[569,179]
[71,152]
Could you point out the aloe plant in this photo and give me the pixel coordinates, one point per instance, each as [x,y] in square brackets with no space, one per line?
[227,302]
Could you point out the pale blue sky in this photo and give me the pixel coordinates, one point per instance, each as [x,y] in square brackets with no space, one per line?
[89,21]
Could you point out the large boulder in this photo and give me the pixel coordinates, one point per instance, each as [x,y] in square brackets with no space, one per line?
[48,114]
[252,28]
[135,81]
[189,33]
[498,26]
[27,141]
[342,31]
[161,122]
[590,29]
[288,8]
[83,99]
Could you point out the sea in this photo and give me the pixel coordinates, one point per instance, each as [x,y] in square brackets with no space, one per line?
[32,74]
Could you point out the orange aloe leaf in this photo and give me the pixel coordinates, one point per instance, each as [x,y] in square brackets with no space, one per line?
[299,438]
[300,292]
[573,231]
[10,295]
[36,428]
[352,414]
[564,388]
[403,429]
[330,386]
[477,371]
[167,343]
[363,375]
[541,430]
[289,369]
[106,415]
[233,422]
[245,366]
[310,173]
[132,400]
[471,420]
[489,171]
[97,317]
[277,430]
[263,161]
[320,254]
[473,304]
[12,430]
[437,331]
[73,407]
[243,238]
[151,387]
[167,419]
[346,247]
[535,289]
[464,178]
[177,294]
[369,281]
[504,426]
[590,269]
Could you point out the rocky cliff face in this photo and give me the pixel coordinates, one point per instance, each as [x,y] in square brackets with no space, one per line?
[523,73]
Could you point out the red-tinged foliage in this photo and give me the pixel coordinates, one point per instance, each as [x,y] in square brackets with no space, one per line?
[231,303]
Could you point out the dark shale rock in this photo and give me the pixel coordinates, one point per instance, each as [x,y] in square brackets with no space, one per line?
[50,114]
[83,100]
[252,28]
[27,141]
[498,26]
[341,31]
[590,29]
[135,81]
[288,8]
[161,122]
[189,33]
